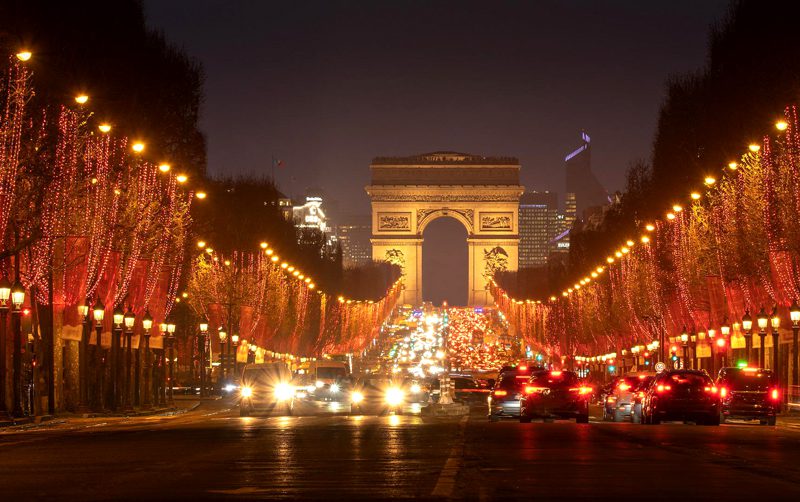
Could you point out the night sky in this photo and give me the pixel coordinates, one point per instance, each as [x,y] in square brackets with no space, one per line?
[327,86]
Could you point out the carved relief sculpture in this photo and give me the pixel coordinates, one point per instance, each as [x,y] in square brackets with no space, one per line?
[496,222]
[394,222]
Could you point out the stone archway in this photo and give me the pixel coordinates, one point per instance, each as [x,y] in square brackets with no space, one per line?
[407,193]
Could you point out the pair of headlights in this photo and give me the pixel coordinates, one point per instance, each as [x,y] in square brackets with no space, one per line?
[282,392]
[393,397]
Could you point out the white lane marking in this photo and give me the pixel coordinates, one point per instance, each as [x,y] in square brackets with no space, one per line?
[447,478]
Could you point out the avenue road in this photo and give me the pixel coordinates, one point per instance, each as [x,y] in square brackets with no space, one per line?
[213,453]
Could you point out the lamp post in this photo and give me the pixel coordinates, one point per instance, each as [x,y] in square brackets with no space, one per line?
[712,333]
[83,364]
[693,345]
[251,356]
[5,295]
[234,362]
[747,326]
[129,318]
[775,324]
[794,314]
[147,324]
[685,344]
[201,350]
[725,331]
[17,299]
[99,312]
[762,319]
[171,333]
[118,318]
[223,337]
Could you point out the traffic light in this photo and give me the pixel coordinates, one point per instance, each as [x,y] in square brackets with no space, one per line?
[647,358]
[674,351]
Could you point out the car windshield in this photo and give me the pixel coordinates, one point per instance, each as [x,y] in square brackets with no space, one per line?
[262,376]
[333,373]
[555,378]
[642,383]
[749,380]
[464,383]
[511,382]
[689,380]
[378,383]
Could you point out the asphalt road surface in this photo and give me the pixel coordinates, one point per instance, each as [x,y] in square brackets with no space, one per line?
[213,453]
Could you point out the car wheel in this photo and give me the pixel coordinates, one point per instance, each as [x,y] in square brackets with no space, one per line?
[772,420]
[494,418]
[721,418]
[618,416]
[524,420]
[582,419]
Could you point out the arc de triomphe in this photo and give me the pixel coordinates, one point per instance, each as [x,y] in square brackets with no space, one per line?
[482,193]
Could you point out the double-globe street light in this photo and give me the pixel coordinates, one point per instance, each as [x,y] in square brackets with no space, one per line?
[147,325]
[794,315]
[167,329]
[747,326]
[201,349]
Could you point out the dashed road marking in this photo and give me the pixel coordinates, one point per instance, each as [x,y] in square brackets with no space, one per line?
[447,478]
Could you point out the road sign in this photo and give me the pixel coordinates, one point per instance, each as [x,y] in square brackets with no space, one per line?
[660,366]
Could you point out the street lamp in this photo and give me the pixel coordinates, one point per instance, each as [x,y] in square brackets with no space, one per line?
[775,324]
[147,325]
[763,320]
[725,331]
[117,340]
[83,352]
[794,315]
[712,333]
[235,341]
[171,338]
[129,318]
[685,344]
[223,337]
[747,326]
[5,295]
[201,349]
[17,299]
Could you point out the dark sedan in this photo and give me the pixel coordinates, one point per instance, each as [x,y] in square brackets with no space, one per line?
[749,393]
[687,395]
[555,394]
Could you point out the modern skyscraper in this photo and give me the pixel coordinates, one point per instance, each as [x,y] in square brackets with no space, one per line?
[581,181]
[354,238]
[538,225]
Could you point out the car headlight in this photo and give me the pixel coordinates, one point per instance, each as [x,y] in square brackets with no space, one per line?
[416,389]
[334,388]
[246,391]
[394,396]
[356,397]
[283,391]
[320,384]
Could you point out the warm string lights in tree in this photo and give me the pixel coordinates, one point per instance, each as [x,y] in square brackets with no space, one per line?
[472,341]
[270,301]
[731,245]
[92,218]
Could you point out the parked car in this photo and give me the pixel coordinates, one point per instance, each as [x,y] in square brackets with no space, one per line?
[266,388]
[555,394]
[748,393]
[687,395]
[638,397]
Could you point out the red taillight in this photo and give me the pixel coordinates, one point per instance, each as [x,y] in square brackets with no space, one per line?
[775,395]
[500,393]
[663,388]
[523,368]
[587,390]
[712,390]
[533,390]
[555,373]
[723,392]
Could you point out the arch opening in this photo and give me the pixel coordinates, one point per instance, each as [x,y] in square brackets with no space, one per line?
[445,262]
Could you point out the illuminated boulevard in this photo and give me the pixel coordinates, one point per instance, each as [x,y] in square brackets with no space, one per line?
[211,451]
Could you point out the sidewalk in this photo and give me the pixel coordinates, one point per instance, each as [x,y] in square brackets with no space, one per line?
[183,404]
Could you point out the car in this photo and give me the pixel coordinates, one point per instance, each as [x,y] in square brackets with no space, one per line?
[376,394]
[503,400]
[467,390]
[748,393]
[417,394]
[323,386]
[555,394]
[638,396]
[620,400]
[266,388]
[687,395]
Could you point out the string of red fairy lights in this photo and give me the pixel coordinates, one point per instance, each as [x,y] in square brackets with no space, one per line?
[272,300]
[730,248]
[102,187]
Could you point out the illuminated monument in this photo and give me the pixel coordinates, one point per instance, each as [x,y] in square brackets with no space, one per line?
[482,193]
